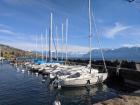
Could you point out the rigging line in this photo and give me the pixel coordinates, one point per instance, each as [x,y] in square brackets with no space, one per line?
[99,41]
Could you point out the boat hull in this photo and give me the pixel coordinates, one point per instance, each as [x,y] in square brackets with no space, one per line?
[83,82]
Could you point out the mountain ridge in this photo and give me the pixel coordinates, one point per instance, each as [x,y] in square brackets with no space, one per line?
[12,52]
[122,53]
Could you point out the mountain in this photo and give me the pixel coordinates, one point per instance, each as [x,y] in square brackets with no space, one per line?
[69,54]
[6,48]
[123,53]
[11,52]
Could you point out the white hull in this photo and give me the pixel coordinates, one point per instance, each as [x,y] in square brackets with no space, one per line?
[84,81]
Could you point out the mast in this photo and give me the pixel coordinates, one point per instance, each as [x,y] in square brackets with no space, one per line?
[42,46]
[49,46]
[90,33]
[36,46]
[51,37]
[66,39]
[62,40]
[56,44]
[46,43]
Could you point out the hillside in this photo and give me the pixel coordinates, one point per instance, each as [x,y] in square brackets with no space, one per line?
[11,52]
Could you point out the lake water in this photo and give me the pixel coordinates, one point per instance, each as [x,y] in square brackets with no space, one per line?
[24,88]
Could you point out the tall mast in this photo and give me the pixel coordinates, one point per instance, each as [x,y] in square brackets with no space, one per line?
[49,46]
[56,44]
[42,46]
[36,46]
[66,39]
[62,40]
[46,43]
[90,32]
[51,37]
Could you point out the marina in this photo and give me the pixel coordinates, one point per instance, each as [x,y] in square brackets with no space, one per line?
[30,89]
[82,52]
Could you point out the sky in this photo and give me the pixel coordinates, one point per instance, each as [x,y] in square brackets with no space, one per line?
[116,23]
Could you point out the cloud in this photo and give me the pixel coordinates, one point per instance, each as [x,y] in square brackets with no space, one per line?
[133,31]
[11,33]
[3,26]
[75,49]
[6,31]
[19,40]
[21,45]
[99,20]
[70,48]
[29,46]
[115,30]
[131,45]
[30,3]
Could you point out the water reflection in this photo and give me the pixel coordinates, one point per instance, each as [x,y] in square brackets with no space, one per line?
[27,89]
[23,71]
[28,72]
[83,90]
[82,96]
[74,96]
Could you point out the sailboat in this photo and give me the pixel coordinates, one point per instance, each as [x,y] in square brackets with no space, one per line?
[83,76]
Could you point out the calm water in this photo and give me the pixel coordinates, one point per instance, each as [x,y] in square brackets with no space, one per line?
[18,88]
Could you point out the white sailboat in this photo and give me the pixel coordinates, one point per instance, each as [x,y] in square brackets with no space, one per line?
[82,76]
